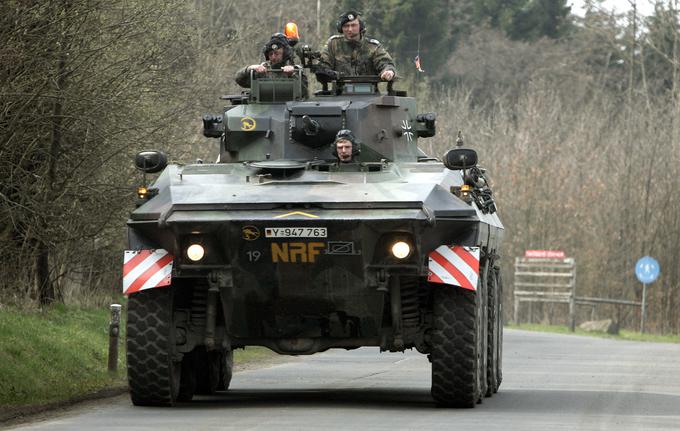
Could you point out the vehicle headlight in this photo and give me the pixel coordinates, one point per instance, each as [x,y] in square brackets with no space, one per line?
[401,249]
[195,252]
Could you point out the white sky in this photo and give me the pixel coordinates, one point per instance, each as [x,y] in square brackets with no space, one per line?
[644,7]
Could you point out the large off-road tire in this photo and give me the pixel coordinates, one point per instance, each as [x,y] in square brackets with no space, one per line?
[455,352]
[188,384]
[153,367]
[499,332]
[226,370]
[208,370]
[493,308]
[483,325]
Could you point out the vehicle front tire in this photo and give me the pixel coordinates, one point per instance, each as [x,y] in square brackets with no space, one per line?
[494,335]
[499,327]
[455,347]
[226,369]
[208,371]
[154,370]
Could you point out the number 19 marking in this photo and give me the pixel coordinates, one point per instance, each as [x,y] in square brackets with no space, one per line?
[253,255]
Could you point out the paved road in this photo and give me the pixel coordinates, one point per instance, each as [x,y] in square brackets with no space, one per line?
[551,382]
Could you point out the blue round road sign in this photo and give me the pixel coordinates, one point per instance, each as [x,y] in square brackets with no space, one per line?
[647,269]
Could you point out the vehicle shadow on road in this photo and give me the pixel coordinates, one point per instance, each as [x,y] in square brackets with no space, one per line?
[515,401]
[350,397]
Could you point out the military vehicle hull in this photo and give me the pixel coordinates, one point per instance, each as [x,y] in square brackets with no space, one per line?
[299,256]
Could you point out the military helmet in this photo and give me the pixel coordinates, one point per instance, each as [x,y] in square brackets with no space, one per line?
[350,15]
[278,40]
[345,134]
[280,36]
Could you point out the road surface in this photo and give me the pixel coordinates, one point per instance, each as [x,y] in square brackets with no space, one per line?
[550,382]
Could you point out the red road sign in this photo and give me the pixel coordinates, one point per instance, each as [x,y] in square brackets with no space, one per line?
[545,254]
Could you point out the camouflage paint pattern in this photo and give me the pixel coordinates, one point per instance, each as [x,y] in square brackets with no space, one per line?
[363,57]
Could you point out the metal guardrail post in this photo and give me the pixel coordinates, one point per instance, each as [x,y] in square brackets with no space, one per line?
[114,331]
[572,313]
[572,300]
[643,311]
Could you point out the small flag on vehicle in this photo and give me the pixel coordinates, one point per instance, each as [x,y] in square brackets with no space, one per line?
[417,62]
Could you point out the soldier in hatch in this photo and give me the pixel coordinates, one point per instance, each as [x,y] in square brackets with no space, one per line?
[278,55]
[352,54]
[345,146]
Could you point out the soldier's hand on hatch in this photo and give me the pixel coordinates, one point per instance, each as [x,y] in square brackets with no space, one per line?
[387,75]
[257,68]
[288,69]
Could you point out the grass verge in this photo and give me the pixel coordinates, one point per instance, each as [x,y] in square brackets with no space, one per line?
[623,334]
[60,354]
[53,355]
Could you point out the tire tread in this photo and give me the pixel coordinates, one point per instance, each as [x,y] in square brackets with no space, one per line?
[149,338]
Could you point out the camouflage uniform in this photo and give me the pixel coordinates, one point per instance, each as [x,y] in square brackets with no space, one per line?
[243,75]
[356,57]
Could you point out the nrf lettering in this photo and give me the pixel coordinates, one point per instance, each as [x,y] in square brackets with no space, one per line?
[296,252]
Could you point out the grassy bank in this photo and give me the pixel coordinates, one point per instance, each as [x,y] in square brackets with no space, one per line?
[623,334]
[61,353]
[53,355]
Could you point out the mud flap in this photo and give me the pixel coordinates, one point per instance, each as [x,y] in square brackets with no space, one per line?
[455,266]
[146,269]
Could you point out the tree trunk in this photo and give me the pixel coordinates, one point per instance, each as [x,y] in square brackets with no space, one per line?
[46,294]
[46,288]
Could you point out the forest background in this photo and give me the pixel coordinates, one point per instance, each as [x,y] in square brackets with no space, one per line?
[576,118]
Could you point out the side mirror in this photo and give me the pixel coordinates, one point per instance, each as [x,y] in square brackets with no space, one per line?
[460,158]
[151,161]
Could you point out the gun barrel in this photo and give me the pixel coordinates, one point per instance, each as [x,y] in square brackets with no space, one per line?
[311,127]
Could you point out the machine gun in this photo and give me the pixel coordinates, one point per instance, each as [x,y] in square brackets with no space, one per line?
[309,59]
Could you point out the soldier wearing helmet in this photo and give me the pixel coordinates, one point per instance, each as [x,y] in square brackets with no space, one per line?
[278,55]
[346,146]
[351,53]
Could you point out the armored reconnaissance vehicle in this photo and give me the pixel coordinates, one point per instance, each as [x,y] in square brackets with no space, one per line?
[278,244]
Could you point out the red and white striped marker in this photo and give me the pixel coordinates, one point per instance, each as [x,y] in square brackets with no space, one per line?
[457,266]
[146,269]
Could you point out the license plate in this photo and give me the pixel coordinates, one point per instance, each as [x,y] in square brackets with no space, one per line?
[295,232]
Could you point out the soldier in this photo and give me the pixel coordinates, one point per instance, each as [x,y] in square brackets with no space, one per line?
[345,146]
[353,54]
[278,55]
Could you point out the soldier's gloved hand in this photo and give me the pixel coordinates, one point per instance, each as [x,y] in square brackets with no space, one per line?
[387,75]
[257,68]
[288,70]
[326,75]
